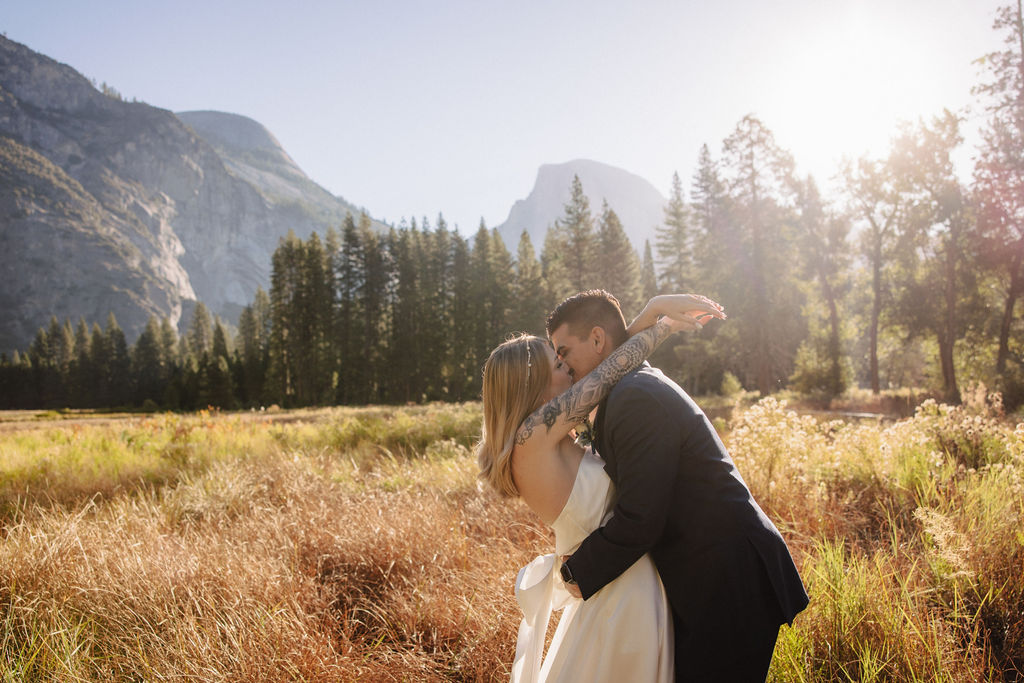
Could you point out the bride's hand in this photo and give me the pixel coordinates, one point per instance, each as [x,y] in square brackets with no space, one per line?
[677,307]
[685,323]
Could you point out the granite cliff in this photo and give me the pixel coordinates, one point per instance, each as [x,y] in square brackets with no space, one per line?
[108,205]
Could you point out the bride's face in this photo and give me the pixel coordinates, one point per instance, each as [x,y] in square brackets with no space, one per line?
[560,378]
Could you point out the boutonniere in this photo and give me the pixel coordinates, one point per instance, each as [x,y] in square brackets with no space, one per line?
[585,433]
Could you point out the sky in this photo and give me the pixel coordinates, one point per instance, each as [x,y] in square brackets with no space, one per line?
[411,108]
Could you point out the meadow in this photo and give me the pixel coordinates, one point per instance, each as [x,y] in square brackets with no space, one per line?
[355,544]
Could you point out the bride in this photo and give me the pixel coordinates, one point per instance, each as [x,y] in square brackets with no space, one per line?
[531,407]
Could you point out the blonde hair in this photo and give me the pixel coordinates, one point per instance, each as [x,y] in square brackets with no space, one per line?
[516,375]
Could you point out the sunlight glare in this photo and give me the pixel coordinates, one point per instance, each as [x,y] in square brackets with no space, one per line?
[846,91]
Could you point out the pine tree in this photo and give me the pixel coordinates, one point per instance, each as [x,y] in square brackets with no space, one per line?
[576,237]
[502,274]
[755,278]
[314,378]
[553,267]
[119,378]
[147,365]
[618,263]
[100,364]
[253,343]
[824,256]
[530,303]
[200,330]
[285,303]
[67,351]
[433,316]
[407,347]
[481,311]
[43,373]
[81,367]
[17,383]
[376,267]
[465,377]
[220,339]
[350,276]
[170,352]
[215,384]
[648,275]
[332,349]
[674,244]
[62,340]
[714,237]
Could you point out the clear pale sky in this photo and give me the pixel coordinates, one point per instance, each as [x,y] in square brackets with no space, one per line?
[411,108]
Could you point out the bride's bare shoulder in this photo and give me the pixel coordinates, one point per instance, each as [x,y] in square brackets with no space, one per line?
[544,478]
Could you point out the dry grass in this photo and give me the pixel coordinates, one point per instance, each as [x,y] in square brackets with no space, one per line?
[354,544]
[286,560]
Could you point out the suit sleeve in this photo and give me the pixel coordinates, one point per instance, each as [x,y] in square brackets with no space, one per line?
[646,439]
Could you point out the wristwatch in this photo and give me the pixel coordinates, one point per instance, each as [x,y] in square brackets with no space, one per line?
[567,576]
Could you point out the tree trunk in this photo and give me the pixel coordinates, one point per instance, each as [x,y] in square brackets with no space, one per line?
[836,372]
[950,391]
[947,338]
[1011,302]
[876,314]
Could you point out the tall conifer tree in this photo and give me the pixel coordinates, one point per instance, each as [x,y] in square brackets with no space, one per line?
[530,302]
[674,243]
[349,276]
[577,238]
[617,262]
[148,367]
[756,277]
[465,373]
[648,274]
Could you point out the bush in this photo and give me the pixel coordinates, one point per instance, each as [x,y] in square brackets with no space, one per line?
[730,385]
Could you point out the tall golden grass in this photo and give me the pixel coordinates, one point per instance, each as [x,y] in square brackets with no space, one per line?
[354,544]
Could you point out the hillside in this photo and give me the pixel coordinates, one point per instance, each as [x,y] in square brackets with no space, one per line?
[108,205]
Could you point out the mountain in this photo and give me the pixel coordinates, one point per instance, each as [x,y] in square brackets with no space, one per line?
[638,204]
[252,153]
[108,205]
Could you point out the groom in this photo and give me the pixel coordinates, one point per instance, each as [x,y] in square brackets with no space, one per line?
[730,579]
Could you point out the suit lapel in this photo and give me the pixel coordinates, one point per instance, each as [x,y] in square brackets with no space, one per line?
[601,443]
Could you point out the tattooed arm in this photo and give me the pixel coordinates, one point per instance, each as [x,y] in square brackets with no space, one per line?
[553,420]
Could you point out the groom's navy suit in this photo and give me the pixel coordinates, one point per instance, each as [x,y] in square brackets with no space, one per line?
[728,574]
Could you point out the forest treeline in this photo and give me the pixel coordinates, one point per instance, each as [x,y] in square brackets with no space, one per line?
[910,276]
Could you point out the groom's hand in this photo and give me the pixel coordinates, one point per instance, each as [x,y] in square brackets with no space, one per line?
[574,589]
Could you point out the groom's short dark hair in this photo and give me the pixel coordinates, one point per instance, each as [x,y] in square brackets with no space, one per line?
[584,311]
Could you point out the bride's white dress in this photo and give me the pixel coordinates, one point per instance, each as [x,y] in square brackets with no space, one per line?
[622,633]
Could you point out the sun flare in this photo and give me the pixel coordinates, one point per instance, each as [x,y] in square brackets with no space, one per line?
[844,93]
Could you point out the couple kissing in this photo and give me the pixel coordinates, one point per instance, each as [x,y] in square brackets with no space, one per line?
[664,566]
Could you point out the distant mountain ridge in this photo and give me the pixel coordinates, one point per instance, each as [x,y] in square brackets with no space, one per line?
[107,205]
[638,204]
[252,153]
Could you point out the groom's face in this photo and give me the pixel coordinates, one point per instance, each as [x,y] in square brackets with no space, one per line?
[581,355]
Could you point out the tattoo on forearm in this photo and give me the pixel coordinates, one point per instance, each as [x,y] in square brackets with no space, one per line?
[576,403]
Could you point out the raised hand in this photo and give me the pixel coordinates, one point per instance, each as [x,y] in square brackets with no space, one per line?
[686,308]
